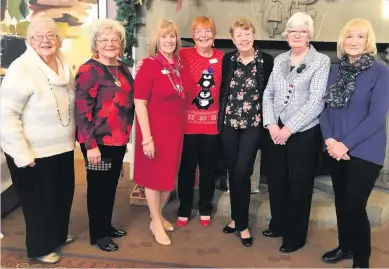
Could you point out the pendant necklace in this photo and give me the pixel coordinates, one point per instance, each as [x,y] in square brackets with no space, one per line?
[117,82]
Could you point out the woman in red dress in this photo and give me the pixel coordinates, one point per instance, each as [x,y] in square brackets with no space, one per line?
[160,108]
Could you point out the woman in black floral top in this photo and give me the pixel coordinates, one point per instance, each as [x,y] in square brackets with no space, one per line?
[244,77]
[244,107]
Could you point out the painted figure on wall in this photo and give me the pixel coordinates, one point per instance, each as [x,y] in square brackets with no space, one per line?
[304,6]
[275,13]
[72,17]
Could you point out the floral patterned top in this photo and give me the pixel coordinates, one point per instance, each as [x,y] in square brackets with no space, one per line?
[244,107]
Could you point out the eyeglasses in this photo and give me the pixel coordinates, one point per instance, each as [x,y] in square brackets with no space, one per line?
[39,38]
[301,33]
[113,41]
[203,32]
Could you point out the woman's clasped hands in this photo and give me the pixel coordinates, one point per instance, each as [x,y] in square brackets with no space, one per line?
[279,135]
[337,150]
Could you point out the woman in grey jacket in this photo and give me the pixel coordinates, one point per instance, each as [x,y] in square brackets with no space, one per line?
[292,102]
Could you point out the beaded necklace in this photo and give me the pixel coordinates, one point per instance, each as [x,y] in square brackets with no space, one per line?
[56,102]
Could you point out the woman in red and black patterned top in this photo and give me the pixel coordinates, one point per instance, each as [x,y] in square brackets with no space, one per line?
[105,112]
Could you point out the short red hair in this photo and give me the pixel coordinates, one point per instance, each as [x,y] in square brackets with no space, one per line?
[205,22]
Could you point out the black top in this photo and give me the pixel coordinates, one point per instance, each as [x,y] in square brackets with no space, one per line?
[264,61]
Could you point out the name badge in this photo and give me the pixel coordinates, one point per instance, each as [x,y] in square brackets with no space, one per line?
[164,71]
[213,61]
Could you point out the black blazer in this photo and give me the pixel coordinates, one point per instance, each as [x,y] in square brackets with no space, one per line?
[229,65]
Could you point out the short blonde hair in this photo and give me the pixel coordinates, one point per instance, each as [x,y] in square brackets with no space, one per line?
[241,23]
[366,28]
[100,25]
[164,27]
[202,21]
[300,19]
[36,23]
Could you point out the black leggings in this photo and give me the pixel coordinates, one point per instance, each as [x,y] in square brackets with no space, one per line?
[102,190]
[198,150]
[291,175]
[240,147]
[353,182]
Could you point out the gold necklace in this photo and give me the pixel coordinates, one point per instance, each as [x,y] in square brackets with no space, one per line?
[117,82]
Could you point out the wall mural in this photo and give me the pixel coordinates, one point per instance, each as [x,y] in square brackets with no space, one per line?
[275,13]
[73,18]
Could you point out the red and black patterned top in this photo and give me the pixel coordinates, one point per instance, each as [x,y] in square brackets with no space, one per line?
[105,111]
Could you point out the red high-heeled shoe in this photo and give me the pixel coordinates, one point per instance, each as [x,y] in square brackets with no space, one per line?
[182,223]
[205,222]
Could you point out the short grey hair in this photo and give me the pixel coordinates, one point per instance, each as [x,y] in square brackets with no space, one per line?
[100,25]
[34,25]
[300,19]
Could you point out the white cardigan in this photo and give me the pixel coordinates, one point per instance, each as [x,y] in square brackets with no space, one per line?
[30,127]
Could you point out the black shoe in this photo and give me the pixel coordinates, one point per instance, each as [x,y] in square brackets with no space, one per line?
[247,242]
[117,232]
[229,230]
[290,249]
[336,255]
[270,233]
[106,244]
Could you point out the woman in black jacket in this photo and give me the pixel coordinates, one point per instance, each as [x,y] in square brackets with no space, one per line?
[245,73]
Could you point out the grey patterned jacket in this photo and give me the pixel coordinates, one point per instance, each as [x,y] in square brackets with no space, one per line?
[296,97]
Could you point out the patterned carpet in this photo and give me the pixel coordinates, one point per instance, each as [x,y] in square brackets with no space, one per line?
[193,245]
[15,258]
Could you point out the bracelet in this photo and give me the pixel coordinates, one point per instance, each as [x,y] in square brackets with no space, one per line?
[147,142]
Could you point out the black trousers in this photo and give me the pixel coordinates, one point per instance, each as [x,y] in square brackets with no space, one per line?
[291,174]
[353,182]
[46,196]
[202,150]
[102,191]
[240,148]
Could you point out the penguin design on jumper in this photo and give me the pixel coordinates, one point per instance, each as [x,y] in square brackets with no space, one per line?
[204,99]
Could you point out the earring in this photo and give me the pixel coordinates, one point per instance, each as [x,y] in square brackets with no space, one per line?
[96,54]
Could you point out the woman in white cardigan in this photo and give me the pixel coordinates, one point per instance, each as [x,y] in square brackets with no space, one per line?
[38,138]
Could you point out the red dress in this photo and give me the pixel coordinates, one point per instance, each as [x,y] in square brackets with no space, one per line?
[166,112]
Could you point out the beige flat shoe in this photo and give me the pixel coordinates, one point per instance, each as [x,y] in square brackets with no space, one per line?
[49,258]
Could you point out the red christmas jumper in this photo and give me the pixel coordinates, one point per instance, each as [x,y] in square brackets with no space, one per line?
[202,108]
